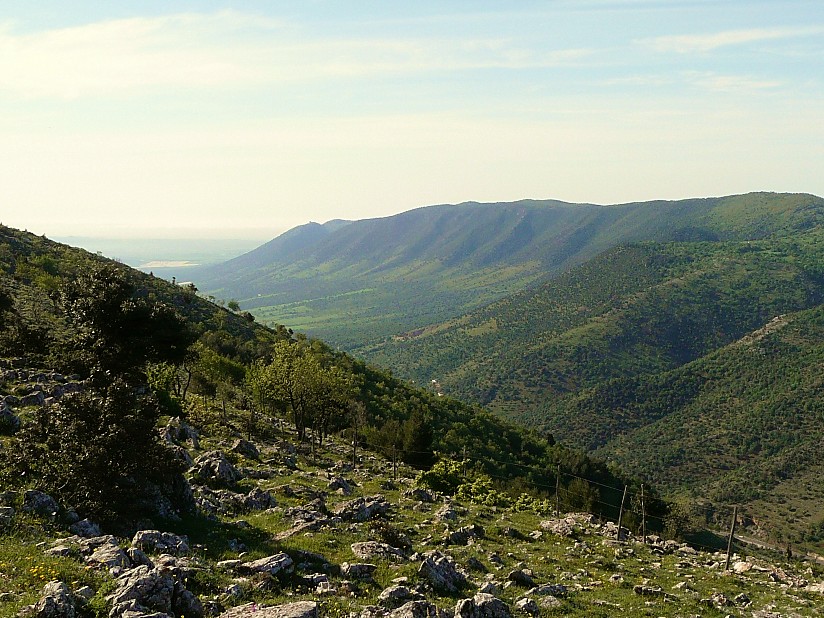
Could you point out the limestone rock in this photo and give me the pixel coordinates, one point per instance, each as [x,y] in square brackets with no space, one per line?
[442,573]
[259,499]
[416,609]
[360,570]
[463,535]
[301,609]
[270,564]
[482,606]
[362,509]
[85,528]
[419,494]
[395,596]
[141,589]
[156,542]
[213,466]
[245,448]
[56,602]
[6,515]
[341,485]
[40,503]
[369,550]
[527,606]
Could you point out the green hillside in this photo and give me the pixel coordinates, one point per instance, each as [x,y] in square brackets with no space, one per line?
[359,282]
[66,310]
[744,424]
[633,310]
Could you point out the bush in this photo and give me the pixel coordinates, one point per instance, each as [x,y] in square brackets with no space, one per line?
[99,453]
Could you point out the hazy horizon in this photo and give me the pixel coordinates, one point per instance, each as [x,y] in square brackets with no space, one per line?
[120,118]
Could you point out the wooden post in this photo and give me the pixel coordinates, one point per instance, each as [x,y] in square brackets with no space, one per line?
[732,534]
[621,512]
[643,518]
[558,492]
[354,442]
[394,463]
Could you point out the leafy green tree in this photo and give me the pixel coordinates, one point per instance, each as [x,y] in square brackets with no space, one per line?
[99,453]
[116,331]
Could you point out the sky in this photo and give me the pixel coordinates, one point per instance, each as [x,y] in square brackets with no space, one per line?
[242,119]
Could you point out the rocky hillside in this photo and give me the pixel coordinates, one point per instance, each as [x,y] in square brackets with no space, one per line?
[279,532]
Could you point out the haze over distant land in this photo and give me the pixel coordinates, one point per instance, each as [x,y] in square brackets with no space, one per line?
[118,117]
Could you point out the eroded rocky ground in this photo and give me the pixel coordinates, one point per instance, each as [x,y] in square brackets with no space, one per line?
[283,532]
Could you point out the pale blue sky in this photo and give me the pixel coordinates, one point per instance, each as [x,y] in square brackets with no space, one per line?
[245,118]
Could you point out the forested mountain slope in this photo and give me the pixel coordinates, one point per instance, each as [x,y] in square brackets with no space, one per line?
[366,280]
[68,310]
[635,309]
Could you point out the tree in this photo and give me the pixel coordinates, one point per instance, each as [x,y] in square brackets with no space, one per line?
[118,332]
[99,453]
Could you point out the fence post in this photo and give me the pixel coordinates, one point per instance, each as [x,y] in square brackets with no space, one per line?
[621,512]
[558,492]
[643,517]
[732,534]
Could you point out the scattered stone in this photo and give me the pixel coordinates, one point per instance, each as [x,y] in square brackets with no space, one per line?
[55,602]
[143,590]
[719,599]
[463,535]
[369,550]
[361,570]
[341,485]
[110,555]
[259,499]
[59,550]
[555,590]
[271,564]
[362,509]
[482,606]
[570,526]
[396,596]
[246,449]
[9,421]
[446,513]
[527,606]
[40,503]
[419,494]
[300,609]
[85,528]
[442,573]
[156,542]
[6,515]
[213,466]
[416,609]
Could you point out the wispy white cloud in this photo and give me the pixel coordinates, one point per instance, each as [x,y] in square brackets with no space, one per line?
[704,80]
[692,43]
[228,49]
